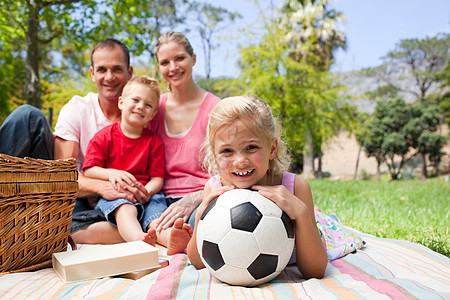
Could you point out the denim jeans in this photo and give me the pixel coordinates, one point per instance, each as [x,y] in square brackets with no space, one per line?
[26,132]
[146,212]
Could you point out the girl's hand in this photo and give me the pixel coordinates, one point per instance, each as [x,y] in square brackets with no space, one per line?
[285,200]
[210,197]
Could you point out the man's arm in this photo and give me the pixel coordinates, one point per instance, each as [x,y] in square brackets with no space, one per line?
[88,187]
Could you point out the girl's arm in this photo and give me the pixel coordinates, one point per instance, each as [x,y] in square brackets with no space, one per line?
[119,179]
[208,196]
[311,256]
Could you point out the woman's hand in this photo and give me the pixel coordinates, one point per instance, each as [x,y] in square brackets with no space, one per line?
[179,209]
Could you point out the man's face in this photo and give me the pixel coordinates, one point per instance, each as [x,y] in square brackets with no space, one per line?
[110,72]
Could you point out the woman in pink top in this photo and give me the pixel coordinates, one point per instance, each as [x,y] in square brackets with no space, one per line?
[181,123]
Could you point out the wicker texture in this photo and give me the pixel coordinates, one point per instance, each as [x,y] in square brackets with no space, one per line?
[36,201]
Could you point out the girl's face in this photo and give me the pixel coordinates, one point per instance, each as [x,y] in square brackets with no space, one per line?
[175,63]
[242,155]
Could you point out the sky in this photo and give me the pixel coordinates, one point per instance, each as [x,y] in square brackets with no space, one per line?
[373,28]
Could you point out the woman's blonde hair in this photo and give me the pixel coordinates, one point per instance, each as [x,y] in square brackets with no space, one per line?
[173,36]
[251,109]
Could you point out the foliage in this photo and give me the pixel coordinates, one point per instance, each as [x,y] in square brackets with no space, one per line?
[396,130]
[312,28]
[222,87]
[302,96]
[137,23]
[312,36]
[427,60]
[443,100]
[39,27]
[424,57]
[411,210]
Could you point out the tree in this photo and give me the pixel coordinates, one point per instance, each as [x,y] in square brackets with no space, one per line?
[311,26]
[312,35]
[302,96]
[56,33]
[38,24]
[396,132]
[421,133]
[425,59]
[384,137]
[443,100]
[211,20]
[139,23]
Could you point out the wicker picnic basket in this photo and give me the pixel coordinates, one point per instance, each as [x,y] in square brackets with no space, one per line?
[36,201]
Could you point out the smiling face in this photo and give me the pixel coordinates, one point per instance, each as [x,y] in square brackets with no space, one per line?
[241,155]
[110,72]
[139,105]
[175,63]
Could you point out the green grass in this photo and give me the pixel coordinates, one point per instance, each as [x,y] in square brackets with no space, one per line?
[417,211]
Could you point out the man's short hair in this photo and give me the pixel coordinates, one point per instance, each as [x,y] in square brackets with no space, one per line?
[111,43]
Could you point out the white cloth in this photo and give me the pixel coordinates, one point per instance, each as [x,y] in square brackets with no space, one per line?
[79,120]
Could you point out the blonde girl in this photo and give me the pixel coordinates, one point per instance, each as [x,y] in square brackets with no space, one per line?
[243,149]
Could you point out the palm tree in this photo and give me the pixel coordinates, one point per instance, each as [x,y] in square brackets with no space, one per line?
[313,35]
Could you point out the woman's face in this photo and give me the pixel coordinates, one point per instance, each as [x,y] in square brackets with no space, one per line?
[175,63]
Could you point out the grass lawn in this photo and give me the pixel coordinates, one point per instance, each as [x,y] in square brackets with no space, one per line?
[413,210]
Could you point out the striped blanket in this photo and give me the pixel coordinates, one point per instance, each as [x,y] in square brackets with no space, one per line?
[383,269]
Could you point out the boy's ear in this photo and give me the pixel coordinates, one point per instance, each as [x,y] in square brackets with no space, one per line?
[120,102]
[274,148]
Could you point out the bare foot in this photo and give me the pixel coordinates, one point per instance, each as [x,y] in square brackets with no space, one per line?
[180,235]
[150,237]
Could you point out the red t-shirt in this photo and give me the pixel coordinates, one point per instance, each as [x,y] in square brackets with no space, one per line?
[142,157]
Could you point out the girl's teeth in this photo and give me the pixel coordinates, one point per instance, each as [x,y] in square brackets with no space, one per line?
[243,173]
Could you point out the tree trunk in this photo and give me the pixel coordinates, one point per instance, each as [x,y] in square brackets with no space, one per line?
[378,171]
[33,85]
[319,173]
[357,163]
[308,156]
[423,161]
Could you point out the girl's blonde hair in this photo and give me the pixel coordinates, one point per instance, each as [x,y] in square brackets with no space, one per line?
[251,109]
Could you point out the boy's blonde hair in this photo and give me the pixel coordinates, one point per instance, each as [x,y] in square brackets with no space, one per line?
[146,81]
[251,109]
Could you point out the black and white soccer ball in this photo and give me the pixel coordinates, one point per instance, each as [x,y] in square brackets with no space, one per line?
[244,238]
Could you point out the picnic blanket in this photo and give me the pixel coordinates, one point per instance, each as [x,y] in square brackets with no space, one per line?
[382,269]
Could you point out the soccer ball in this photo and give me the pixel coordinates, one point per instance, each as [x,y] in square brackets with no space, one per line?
[244,238]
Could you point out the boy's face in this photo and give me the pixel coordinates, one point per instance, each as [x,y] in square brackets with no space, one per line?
[139,105]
